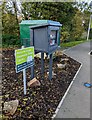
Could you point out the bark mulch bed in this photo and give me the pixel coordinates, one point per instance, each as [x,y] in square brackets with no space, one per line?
[40,102]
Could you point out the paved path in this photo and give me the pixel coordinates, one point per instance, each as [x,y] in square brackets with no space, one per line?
[77,101]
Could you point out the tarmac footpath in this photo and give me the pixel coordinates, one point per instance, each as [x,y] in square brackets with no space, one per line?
[77,101]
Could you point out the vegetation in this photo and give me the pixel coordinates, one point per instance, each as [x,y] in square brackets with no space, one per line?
[10,40]
[73,16]
[71,44]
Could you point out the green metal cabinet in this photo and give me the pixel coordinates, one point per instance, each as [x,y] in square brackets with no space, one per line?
[25,30]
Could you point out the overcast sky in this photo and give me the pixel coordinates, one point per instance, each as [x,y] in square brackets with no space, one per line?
[84,1]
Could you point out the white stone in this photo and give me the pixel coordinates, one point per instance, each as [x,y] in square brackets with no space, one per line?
[11,106]
[64,59]
[61,66]
[33,82]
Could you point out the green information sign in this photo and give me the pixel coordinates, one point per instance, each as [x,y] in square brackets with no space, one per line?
[24,58]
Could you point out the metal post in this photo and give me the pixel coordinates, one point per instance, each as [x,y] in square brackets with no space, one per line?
[89,27]
[50,67]
[24,78]
[42,63]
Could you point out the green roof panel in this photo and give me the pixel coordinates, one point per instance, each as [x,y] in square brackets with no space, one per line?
[32,22]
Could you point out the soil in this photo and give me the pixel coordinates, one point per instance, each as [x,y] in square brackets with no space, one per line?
[40,102]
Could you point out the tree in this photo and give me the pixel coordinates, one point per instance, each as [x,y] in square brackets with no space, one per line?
[10,32]
[85,10]
[77,26]
[9,21]
[71,15]
[15,9]
[62,12]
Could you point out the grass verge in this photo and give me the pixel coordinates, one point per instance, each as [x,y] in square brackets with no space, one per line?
[71,44]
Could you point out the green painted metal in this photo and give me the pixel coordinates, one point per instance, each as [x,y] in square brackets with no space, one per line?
[25,30]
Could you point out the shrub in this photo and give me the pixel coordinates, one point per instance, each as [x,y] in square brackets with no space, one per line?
[65,36]
[10,40]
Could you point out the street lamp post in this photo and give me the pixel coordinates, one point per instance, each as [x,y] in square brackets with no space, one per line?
[89,21]
[89,27]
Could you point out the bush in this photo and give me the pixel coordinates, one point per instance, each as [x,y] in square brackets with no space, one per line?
[10,40]
[65,36]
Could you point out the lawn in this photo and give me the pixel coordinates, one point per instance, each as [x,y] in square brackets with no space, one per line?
[71,44]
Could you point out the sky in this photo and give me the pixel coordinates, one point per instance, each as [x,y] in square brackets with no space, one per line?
[88,1]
